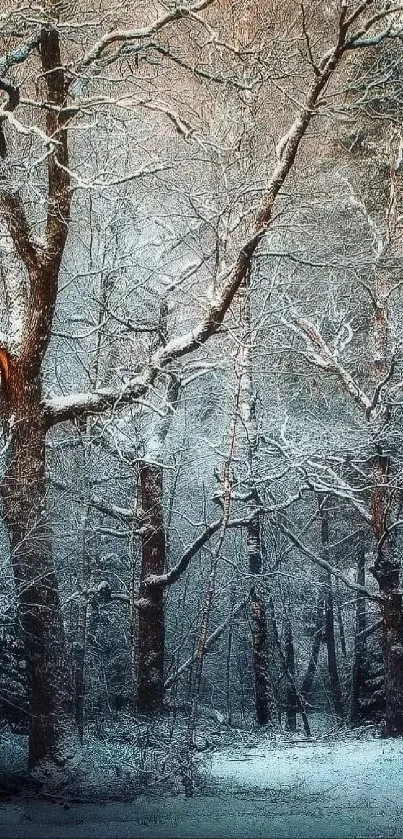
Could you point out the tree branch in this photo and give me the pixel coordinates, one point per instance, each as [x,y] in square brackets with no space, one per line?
[108,509]
[129,35]
[79,405]
[208,644]
[10,201]
[378,389]
[44,274]
[322,356]
[164,580]
[323,563]
[19,54]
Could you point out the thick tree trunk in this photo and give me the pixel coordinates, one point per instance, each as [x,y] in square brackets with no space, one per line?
[393,656]
[52,733]
[263,697]
[151,621]
[265,704]
[386,570]
[386,500]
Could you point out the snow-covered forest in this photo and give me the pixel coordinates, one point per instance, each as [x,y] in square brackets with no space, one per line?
[201,359]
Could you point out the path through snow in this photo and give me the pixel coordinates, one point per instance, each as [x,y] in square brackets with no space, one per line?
[307,791]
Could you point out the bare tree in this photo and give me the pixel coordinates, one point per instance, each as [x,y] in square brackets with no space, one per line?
[31,269]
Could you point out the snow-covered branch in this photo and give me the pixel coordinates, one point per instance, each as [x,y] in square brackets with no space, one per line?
[219,630]
[323,563]
[65,408]
[320,354]
[118,36]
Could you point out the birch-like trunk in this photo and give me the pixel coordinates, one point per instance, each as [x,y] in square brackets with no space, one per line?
[265,704]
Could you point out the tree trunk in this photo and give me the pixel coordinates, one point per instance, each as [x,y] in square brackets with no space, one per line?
[360,648]
[201,646]
[329,616]
[228,666]
[80,635]
[331,651]
[265,705]
[291,699]
[263,698]
[286,663]
[393,656]
[83,573]
[79,651]
[316,642]
[151,621]
[386,570]
[386,498]
[52,733]
[340,624]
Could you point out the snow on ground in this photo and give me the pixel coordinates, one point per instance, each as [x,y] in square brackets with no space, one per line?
[351,772]
[319,790]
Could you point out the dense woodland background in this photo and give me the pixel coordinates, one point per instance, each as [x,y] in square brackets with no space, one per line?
[201,365]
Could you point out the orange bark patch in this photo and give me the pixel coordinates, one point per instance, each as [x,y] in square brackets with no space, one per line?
[4,365]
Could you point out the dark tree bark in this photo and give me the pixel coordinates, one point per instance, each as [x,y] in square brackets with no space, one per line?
[78,656]
[329,616]
[294,699]
[263,699]
[151,620]
[317,639]
[386,570]
[340,624]
[228,667]
[52,728]
[79,649]
[52,734]
[265,705]
[360,648]
[291,699]
[331,651]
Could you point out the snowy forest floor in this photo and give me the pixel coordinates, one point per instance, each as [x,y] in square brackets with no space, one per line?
[252,786]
